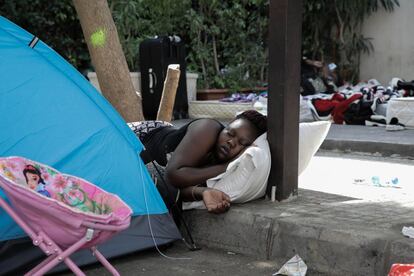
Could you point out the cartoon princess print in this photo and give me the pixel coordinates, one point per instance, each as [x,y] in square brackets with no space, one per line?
[34,180]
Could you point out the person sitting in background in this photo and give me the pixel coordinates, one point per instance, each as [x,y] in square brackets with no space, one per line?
[318,77]
[198,151]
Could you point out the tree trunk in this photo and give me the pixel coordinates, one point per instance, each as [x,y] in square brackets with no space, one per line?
[216,63]
[108,58]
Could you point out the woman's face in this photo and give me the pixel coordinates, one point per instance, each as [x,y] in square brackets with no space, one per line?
[238,135]
[32,180]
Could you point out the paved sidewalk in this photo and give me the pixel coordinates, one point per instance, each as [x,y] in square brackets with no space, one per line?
[352,230]
[182,262]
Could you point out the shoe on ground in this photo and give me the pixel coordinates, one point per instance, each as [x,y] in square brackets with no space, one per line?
[394,128]
[394,125]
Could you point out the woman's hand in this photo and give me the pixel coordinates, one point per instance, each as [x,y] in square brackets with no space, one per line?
[216,201]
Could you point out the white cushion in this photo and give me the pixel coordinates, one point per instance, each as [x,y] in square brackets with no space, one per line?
[402,109]
[311,136]
[246,177]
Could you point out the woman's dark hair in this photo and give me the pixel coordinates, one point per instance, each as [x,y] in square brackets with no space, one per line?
[256,118]
[32,169]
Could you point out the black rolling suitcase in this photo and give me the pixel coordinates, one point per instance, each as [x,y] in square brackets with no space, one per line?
[155,55]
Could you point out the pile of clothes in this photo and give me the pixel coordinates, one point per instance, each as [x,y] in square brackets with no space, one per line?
[362,104]
[259,100]
[243,97]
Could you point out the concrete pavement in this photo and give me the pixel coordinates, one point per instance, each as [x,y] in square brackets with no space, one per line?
[339,224]
[182,262]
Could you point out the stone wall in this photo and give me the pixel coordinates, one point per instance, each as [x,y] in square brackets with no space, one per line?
[393,40]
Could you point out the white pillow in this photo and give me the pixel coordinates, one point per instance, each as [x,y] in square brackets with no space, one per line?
[311,136]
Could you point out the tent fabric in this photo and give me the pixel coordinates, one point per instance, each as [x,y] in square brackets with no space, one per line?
[19,255]
[51,114]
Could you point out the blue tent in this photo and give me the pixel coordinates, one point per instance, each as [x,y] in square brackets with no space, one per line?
[50,113]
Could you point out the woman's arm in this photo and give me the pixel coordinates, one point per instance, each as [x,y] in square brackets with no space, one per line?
[185,168]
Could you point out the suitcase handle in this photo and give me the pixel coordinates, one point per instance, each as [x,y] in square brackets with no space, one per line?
[152,80]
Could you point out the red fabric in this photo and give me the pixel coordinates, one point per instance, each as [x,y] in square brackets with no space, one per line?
[338,112]
[338,104]
[402,270]
[338,97]
[324,105]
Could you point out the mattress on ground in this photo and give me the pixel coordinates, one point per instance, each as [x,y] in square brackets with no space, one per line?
[402,109]
[216,109]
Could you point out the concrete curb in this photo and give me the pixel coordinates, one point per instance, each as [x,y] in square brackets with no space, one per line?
[385,149]
[372,140]
[327,242]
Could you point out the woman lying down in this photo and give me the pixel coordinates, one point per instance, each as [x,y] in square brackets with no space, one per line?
[198,151]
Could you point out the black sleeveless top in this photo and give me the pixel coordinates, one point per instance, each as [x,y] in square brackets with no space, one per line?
[160,142]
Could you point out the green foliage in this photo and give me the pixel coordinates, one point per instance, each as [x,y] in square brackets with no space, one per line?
[137,20]
[226,41]
[55,22]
